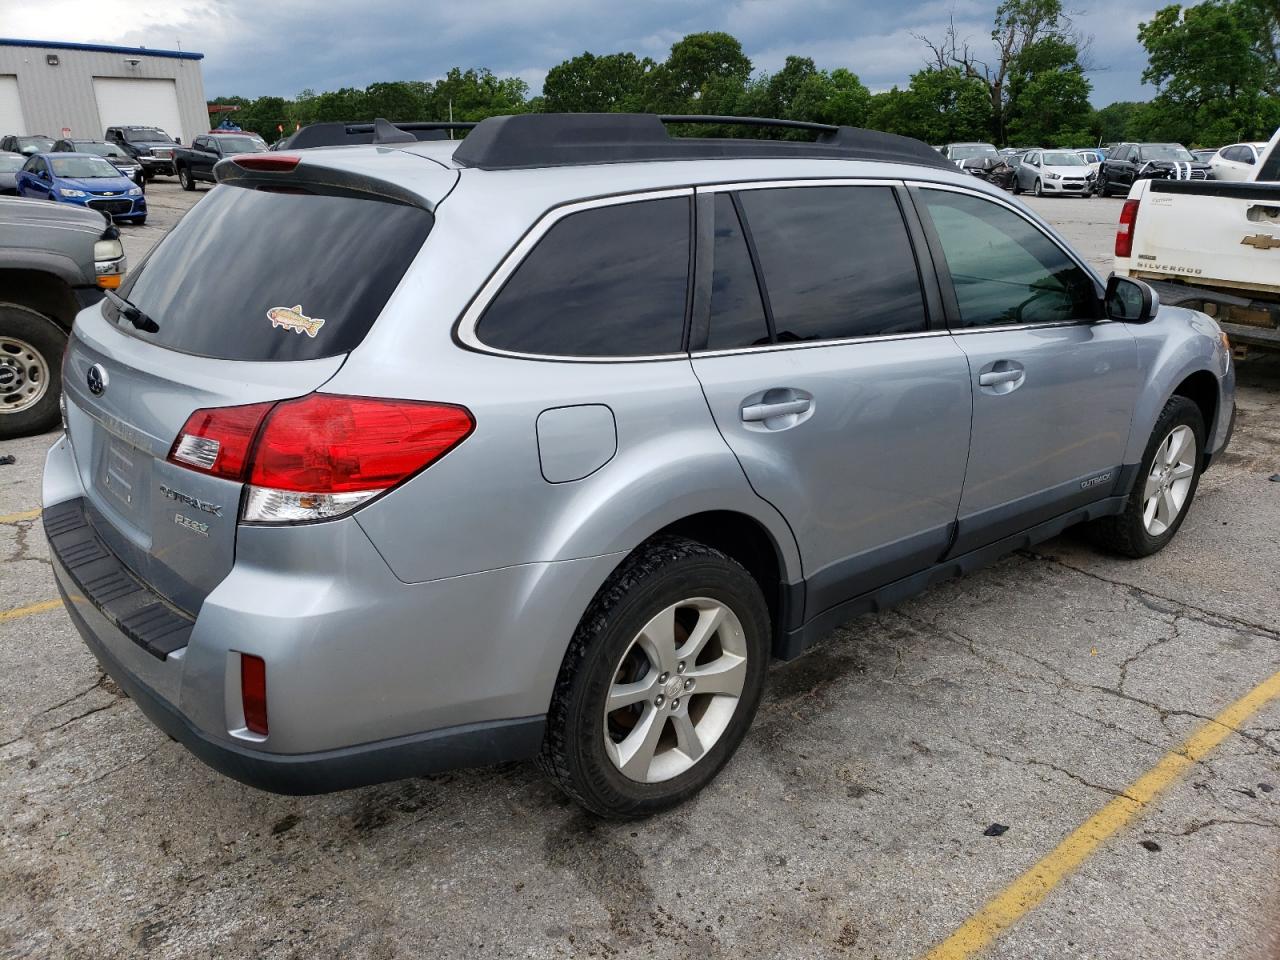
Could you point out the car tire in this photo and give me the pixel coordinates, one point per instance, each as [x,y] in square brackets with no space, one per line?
[186,179]
[1142,529]
[674,583]
[31,348]
[1017,187]
[1102,190]
[1037,189]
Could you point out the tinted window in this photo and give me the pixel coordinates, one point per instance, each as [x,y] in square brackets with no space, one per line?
[1004,270]
[737,315]
[836,262]
[252,275]
[607,282]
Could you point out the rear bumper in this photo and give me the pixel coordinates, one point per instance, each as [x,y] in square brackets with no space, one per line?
[141,644]
[1222,306]
[324,771]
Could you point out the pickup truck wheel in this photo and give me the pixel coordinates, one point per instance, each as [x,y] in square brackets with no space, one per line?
[31,347]
[1164,488]
[660,682]
[184,177]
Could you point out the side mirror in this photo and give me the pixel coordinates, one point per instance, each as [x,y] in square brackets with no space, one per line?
[1130,301]
[1248,158]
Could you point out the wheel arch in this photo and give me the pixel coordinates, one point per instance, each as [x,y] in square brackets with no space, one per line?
[43,291]
[1201,388]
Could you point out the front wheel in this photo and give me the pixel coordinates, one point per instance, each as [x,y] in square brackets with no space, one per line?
[1165,485]
[660,682]
[184,177]
[31,347]
[1038,190]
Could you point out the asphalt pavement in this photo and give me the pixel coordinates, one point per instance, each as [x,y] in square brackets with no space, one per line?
[1063,694]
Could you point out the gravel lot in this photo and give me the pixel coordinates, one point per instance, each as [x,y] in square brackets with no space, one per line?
[851,823]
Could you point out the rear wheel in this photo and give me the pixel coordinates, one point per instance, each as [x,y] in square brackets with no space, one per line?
[1165,486]
[31,347]
[660,682]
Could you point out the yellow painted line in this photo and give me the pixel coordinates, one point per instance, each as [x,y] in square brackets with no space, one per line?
[1030,889]
[19,612]
[16,517]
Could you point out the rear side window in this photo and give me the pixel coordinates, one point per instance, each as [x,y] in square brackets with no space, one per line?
[737,313]
[253,275]
[837,262]
[605,282]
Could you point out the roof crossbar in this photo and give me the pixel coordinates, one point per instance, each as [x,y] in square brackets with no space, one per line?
[528,140]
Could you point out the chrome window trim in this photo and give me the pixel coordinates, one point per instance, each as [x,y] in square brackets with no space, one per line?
[465,331]
[813,344]
[738,187]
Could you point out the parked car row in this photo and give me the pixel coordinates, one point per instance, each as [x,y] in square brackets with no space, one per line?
[1097,171]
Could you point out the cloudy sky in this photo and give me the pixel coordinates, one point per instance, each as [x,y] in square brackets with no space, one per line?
[259,47]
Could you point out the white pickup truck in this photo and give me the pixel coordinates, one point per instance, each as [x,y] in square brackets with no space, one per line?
[1211,245]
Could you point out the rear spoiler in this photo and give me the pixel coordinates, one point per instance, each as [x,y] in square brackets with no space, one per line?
[285,172]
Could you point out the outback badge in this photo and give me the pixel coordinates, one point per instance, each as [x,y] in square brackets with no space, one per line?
[292,318]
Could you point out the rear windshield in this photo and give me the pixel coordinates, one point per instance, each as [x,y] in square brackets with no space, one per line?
[147,135]
[255,275]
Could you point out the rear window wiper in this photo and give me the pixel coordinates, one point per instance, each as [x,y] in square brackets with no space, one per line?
[131,313]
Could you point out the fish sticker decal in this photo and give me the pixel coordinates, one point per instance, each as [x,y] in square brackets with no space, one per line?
[292,318]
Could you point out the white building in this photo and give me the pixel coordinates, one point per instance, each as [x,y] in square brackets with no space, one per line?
[80,89]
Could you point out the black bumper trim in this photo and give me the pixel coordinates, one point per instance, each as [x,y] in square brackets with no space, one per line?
[302,774]
[136,610]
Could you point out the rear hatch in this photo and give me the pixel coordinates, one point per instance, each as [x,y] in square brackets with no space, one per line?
[257,295]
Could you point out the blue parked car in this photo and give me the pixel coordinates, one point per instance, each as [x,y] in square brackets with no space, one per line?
[84,179]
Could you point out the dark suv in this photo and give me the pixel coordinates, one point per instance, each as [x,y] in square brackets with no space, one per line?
[150,146]
[1127,162]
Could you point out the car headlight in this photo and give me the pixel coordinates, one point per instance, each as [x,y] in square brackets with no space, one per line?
[1053,176]
[108,250]
[135,191]
[71,193]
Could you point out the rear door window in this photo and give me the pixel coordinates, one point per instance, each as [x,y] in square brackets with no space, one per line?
[256,275]
[605,282]
[836,262]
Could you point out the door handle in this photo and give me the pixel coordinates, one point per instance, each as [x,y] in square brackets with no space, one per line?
[757,412]
[993,377]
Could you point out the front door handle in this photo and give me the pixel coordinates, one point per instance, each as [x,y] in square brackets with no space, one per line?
[993,377]
[757,412]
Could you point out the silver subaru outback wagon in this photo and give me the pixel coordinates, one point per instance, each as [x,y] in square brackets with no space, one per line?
[398,454]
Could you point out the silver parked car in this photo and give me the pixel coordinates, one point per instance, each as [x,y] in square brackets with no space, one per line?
[543,443]
[1058,172]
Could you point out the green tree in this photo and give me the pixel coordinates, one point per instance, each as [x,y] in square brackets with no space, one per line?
[395,101]
[475,94]
[587,83]
[1023,36]
[1048,95]
[1215,67]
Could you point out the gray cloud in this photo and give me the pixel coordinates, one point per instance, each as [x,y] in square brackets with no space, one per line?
[255,48]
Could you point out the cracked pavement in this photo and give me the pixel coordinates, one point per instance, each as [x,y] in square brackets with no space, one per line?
[850,824]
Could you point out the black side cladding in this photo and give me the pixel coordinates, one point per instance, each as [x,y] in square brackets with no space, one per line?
[574,139]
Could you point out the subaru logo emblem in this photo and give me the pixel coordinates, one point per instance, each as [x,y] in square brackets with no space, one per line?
[97,380]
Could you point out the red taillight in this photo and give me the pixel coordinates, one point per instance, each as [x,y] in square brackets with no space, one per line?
[253,693]
[1124,232]
[217,441]
[324,443]
[320,455]
[270,162]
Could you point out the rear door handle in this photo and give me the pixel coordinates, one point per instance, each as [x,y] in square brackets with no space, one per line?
[757,412]
[993,377]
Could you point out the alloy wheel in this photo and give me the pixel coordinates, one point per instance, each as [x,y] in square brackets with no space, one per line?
[1169,481]
[675,690]
[24,375]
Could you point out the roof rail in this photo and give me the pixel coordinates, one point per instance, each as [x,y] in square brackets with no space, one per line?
[572,139]
[340,133]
